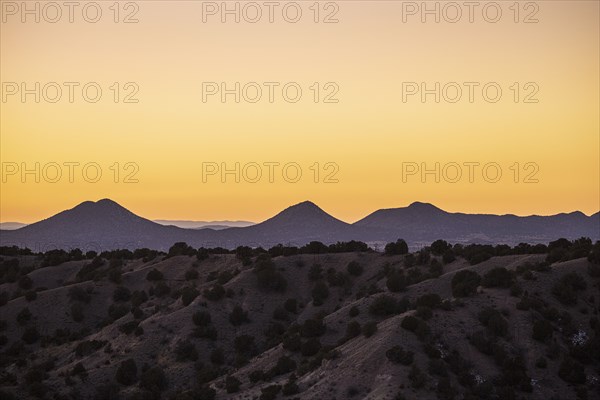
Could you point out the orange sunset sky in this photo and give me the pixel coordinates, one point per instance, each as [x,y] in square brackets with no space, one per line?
[367,135]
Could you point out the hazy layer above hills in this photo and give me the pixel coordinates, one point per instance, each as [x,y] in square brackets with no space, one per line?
[105,225]
[216,225]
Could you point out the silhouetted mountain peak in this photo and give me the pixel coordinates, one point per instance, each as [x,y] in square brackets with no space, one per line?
[425,207]
[305,213]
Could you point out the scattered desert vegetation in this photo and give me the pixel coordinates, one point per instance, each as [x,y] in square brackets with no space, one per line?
[314,322]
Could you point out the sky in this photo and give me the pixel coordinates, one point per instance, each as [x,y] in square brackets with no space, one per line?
[363,105]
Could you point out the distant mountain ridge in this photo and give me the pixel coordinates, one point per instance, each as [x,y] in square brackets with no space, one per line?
[106,225]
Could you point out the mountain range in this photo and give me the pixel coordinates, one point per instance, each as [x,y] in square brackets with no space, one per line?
[105,225]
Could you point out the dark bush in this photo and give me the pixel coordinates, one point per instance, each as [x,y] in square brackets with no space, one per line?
[417,378]
[77,293]
[30,335]
[191,274]
[398,355]
[127,372]
[291,305]
[430,300]
[396,248]
[154,379]
[386,305]
[396,282]
[188,294]
[353,329]
[116,311]
[24,316]
[354,268]
[571,371]
[312,328]
[77,312]
[215,293]
[566,289]
[284,365]
[186,351]
[269,278]
[542,330]
[354,311]
[498,277]
[121,293]
[232,384]
[310,347]
[270,392]
[369,329]
[154,275]
[25,282]
[494,321]
[464,283]
[319,293]
[217,356]
[201,318]
[244,344]
[238,316]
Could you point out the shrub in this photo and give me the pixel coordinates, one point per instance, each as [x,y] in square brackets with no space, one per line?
[188,294]
[354,268]
[116,311]
[464,283]
[77,312]
[30,335]
[154,275]
[291,305]
[268,277]
[256,376]
[161,289]
[80,371]
[310,347]
[244,344]
[542,330]
[31,295]
[154,379]
[238,316]
[353,329]
[121,293]
[191,274]
[186,351]
[430,300]
[138,298]
[284,365]
[201,318]
[424,312]
[417,377]
[290,388]
[232,384]
[398,355]
[215,293]
[354,311]
[565,290]
[87,347]
[127,372]
[312,328]
[396,282]
[319,293]
[498,277]
[25,282]
[129,327]
[77,293]
[410,323]
[494,321]
[571,371]
[24,316]
[270,392]
[217,356]
[369,329]
[386,305]
[395,248]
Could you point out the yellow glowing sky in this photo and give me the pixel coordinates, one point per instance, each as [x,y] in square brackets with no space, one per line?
[170,132]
